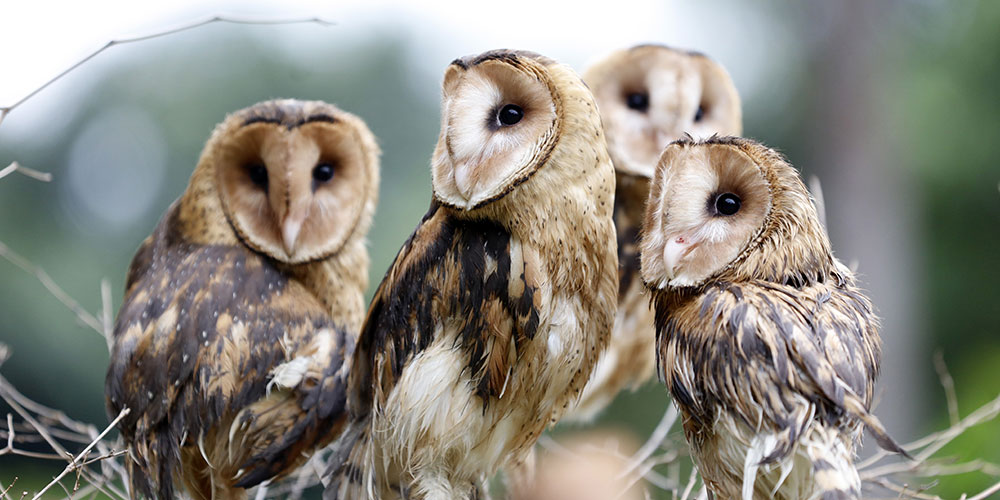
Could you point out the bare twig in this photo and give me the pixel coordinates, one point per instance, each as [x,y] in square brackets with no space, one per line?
[56,291]
[107,316]
[3,492]
[949,386]
[4,111]
[77,462]
[987,492]
[654,441]
[30,172]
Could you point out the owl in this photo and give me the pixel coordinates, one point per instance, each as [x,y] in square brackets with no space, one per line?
[241,310]
[488,323]
[648,96]
[763,338]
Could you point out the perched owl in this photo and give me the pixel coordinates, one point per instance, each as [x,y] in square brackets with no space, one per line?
[492,316]
[764,341]
[242,309]
[648,96]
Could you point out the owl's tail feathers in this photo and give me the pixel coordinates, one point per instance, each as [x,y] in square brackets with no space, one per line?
[854,406]
[833,469]
[151,467]
[350,474]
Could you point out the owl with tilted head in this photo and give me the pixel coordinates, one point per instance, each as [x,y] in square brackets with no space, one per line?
[649,96]
[487,325]
[764,340]
[241,310]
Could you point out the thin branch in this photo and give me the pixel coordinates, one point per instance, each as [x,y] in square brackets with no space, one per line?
[60,294]
[3,494]
[987,492]
[76,463]
[904,490]
[30,172]
[4,111]
[107,316]
[654,441]
[692,479]
[948,384]
[932,443]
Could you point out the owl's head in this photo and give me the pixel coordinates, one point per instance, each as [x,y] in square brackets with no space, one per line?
[730,208]
[296,179]
[651,95]
[501,117]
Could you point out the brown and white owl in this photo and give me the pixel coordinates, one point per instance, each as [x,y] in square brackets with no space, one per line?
[649,96]
[763,339]
[241,310]
[488,323]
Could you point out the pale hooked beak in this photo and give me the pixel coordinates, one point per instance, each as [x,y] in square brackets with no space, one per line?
[677,248]
[290,229]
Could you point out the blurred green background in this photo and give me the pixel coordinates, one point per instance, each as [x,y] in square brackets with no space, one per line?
[893,105]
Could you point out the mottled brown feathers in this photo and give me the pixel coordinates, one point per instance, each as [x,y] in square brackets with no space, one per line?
[232,347]
[490,320]
[771,356]
[181,374]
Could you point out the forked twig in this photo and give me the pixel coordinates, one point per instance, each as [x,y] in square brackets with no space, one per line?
[79,461]
[4,111]
[30,172]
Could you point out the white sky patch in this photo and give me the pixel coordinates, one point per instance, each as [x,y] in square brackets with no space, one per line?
[40,39]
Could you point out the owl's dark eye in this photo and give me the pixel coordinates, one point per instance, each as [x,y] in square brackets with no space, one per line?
[510,114]
[700,114]
[323,172]
[727,204]
[258,174]
[638,101]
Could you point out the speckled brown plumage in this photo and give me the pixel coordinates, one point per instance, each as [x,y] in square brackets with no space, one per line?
[764,340]
[685,92]
[233,362]
[487,325]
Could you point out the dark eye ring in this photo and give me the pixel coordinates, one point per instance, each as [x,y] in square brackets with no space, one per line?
[727,204]
[323,172]
[638,101]
[258,174]
[510,114]
[700,114]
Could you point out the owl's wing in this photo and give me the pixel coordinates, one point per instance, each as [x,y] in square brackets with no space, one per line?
[820,341]
[197,338]
[470,278]
[825,341]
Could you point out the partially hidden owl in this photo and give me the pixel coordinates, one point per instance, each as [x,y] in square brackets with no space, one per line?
[648,96]
[488,323]
[241,310]
[764,340]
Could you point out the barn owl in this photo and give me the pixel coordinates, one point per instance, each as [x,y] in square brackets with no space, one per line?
[763,338]
[488,323]
[648,96]
[241,310]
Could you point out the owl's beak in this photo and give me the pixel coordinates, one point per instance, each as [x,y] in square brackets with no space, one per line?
[677,248]
[290,232]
